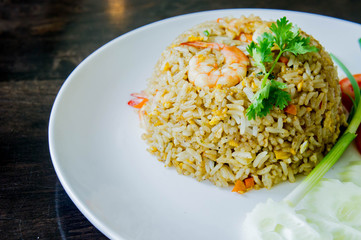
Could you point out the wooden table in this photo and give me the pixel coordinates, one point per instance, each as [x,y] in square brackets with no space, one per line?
[41,42]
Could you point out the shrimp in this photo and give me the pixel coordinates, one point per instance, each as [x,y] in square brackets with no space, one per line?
[204,72]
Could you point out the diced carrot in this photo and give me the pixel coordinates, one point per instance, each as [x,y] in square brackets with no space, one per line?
[249,182]
[239,187]
[291,109]
[138,101]
[283,59]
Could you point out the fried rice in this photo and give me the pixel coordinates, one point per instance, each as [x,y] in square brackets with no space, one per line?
[205,133]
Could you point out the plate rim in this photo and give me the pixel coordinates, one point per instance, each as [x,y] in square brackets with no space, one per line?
[108,232]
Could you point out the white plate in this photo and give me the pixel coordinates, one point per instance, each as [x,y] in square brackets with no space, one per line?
[102,163]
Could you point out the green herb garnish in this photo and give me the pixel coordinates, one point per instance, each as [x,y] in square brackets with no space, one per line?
[206,33]
[313,221]
[284,37]
[274,95]
[341,145]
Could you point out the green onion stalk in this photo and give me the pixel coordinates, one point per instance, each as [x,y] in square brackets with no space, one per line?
[265,78]
[327,162]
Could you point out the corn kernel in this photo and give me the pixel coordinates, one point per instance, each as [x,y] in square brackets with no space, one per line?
[201,57]
[293,151]
[194,39]
[158,124]
[214,121]
[166,67]
[153,149]
[167,104]
[233,143]
[308,109]
[299,86]
[281,154]
[254,86]
[216,112]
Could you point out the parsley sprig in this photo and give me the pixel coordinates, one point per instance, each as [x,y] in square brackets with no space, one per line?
[284,37]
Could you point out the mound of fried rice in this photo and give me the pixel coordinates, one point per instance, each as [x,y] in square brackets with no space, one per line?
[204,132]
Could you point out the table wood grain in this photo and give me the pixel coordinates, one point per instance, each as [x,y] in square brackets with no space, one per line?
[41,42]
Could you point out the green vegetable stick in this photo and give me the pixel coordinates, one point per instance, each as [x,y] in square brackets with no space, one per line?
[336,152]
[327,162]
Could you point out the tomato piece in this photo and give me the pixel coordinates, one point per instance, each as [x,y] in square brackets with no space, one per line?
[347,90]
[346,102]
[283,59]
[346,86]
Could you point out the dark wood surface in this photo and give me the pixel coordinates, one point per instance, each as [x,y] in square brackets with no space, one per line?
[41,42]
